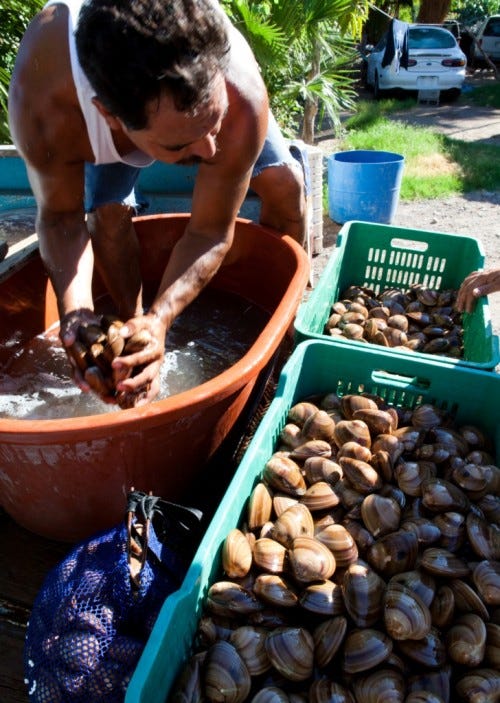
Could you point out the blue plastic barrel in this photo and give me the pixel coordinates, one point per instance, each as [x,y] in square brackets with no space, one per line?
[364,185]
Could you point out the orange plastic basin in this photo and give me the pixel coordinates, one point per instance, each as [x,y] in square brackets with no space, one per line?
[66,479]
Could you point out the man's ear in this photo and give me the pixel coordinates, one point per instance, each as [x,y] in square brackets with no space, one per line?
[113,122]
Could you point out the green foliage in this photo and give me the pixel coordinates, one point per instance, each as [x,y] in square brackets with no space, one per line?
[14,18]
[305,51]
[468,12]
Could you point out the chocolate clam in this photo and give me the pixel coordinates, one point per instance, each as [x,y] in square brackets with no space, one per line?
[319,468]
[441,562]
[443,607]
[283,474]
[299,412]
[228,599]
[322,598]
[393,552]
[363,591]
[492,651]
[480,685]
[325,690]
[96,346]
[486,577]
[295,521]
[352,431]
[270,694]
[417,581]
[364,649]
[423,697]
[320,496]
[428,652]
[249,642]
[384,685]
[274,589]
[236,554]
[467,600]
[310,560]
[392,318]
[483,537]
[466,640]
[270,555]
[291,652]
[406,616]
[380,515]
[225,676]
[413,595]
[319,425]
[340,542]
[328,636]
[259,506]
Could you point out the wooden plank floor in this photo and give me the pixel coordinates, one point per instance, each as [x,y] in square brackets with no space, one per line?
[26,559]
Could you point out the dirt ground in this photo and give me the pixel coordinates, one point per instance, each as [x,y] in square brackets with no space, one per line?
[474,214]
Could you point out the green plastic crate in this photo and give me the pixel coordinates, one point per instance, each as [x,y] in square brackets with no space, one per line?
[314,367]
[381,256]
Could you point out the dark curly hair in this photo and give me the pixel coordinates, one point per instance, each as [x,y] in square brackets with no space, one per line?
[132,51]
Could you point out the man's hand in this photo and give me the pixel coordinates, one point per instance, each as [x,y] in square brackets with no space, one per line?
[136,372]
[68,333]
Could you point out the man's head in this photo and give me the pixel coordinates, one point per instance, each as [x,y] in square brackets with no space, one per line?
[136,51]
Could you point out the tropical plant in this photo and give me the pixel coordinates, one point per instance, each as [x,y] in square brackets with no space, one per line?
[14,18]
[307,53]
[468,12]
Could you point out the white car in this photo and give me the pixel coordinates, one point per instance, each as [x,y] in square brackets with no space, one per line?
[487,41]
[435,63]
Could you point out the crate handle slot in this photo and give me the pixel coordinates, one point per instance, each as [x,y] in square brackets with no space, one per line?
[399,243]
[399,380]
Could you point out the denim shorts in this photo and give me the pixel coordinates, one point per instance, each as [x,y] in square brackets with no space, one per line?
[117,182]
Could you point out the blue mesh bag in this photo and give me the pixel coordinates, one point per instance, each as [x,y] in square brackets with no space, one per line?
[96,608]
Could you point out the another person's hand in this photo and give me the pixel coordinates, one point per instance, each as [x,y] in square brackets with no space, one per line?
[475,285]
[137,374]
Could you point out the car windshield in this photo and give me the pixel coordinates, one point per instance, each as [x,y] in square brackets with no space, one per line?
[430,38]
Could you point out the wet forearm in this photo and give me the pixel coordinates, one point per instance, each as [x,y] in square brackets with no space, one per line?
[193,263]
[66,251]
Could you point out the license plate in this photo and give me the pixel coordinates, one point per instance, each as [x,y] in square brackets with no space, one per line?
[427,82]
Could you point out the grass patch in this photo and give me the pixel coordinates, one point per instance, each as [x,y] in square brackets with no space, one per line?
[369,112]
[435,166]
[483,96]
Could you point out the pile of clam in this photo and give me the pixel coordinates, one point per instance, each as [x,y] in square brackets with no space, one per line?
[93,351]
[419,319]
[367,569]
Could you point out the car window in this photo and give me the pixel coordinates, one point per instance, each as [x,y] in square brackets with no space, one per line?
[492,28]
[430,38]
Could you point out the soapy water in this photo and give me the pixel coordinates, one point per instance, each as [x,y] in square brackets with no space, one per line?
[211,335]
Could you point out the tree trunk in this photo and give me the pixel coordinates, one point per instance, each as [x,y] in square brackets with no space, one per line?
[311,102]
[310,112]
[433,11]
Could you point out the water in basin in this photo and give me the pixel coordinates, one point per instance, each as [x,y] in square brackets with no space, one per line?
[214,332]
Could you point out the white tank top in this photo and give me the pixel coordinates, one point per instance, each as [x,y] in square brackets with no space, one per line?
[100,135]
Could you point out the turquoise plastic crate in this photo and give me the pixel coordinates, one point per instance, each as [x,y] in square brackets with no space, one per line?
[381,256]
[314,367]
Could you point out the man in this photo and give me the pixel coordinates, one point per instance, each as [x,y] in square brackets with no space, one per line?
[103,88]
